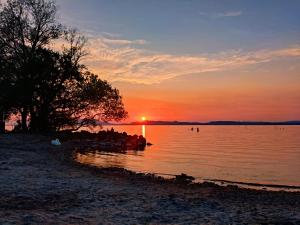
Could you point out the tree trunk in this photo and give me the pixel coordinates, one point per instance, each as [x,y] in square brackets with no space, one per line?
[44,118]
[33,120]
[24,115]
[2,126]
[2,123]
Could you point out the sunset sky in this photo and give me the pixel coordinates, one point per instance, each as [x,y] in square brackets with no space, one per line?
[195,60]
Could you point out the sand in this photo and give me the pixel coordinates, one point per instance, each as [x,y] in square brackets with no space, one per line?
[38,186]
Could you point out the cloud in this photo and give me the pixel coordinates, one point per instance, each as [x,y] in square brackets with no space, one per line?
[218,15]
[123,41]
[229,14]
[121,60]
[110,35]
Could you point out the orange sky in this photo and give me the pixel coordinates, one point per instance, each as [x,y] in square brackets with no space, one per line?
[271,95]
[260,85]
[195,60]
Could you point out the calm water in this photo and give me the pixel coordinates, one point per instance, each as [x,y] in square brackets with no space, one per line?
[255,154]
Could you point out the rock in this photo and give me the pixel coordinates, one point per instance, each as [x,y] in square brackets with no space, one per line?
[108,140]
[184,179]
[55,142]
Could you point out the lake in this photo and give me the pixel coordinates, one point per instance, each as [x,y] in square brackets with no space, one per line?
[252,154]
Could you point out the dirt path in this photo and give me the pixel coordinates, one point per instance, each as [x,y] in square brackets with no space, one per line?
[36,188]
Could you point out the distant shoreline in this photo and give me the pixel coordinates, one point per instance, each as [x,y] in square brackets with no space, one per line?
[9,126]
[212,123]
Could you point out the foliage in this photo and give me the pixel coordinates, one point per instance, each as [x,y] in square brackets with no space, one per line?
[51,90]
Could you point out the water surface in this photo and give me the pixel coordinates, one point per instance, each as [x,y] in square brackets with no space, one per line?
[253,154]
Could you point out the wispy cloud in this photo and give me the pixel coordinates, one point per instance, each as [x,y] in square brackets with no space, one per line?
[126,63]
[110,35]
[217,15]
[229,14]
[121,60]
[123,41]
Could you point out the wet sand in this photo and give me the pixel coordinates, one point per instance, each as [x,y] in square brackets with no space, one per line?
[39,186]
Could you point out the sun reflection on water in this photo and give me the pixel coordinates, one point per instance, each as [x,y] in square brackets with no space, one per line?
[144,131]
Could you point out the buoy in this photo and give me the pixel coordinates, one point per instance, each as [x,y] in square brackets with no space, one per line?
[55,142]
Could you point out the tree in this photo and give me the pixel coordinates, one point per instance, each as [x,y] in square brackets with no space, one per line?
[25,27]
[68,96]
[50,89]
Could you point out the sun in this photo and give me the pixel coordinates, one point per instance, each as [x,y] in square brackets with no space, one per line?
[143,118]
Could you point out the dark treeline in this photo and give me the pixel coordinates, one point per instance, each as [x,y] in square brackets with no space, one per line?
[47,89]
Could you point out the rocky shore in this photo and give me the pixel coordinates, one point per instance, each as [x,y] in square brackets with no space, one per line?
[38,185]
[109,140]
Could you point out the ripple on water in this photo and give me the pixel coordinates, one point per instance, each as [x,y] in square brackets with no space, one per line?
[258,154]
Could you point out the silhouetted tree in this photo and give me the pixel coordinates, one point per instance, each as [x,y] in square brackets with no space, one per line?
[25,27]
[50,89]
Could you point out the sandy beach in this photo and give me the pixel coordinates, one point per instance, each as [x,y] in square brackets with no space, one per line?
[38,186]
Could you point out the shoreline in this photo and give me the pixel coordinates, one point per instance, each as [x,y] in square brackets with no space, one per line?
[198,181]
[170,177]
[39,185]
